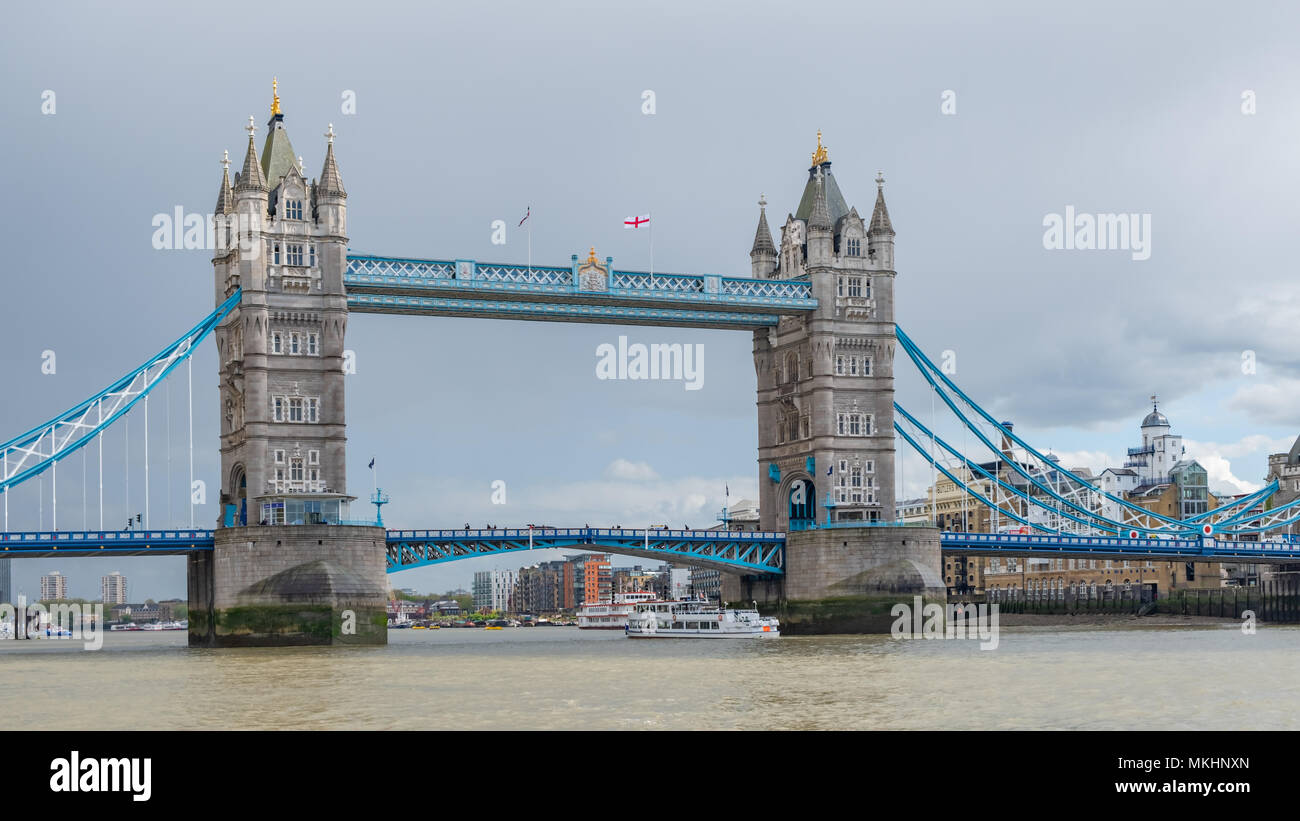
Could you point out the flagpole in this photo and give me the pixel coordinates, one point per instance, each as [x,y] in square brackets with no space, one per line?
[652,250]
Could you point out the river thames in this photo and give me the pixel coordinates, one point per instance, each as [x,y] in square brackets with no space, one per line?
[1125,678]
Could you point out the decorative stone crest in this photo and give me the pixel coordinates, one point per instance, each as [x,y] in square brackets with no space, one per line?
[592,275]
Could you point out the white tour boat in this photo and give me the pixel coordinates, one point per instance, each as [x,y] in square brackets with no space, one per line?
[610,615]
[698,620]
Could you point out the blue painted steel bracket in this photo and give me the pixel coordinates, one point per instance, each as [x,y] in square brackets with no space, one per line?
[774,472]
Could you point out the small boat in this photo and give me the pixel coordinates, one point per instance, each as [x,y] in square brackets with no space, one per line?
[610,615]
[698,620]
[419,627]
[493,627]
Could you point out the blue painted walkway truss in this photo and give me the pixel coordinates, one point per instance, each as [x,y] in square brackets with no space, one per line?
[393,285]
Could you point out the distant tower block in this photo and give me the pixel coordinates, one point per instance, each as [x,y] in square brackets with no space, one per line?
[284,569]
[826,380]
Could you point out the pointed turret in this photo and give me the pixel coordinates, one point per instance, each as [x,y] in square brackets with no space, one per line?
[820,218]
[820,241]
[330,182]
[762,256]
[250,177]
[225,197]
[329,200]
[880,234]
[880,216]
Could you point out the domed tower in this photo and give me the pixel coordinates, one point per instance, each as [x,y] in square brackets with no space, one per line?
[1160,450]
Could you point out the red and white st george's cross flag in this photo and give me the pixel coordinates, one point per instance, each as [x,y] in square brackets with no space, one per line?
[636,222]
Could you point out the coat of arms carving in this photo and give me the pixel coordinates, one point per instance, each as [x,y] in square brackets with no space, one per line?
[592,275]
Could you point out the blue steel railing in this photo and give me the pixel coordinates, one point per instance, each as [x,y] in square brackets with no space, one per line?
[1063,545]
[800,525]
[95,542]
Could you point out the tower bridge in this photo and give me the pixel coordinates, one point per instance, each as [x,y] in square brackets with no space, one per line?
[286,559]
[760,553]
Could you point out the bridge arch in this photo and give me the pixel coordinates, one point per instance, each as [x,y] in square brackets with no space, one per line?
[798,502]
[239,493]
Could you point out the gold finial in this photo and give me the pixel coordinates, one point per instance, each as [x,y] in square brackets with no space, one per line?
[275,95]
[591,257]
[819,156]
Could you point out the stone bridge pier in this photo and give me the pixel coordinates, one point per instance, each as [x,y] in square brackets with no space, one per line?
[846,579]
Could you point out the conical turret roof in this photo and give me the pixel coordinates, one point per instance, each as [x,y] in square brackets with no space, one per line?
[880,223]
[225,198]
[763,236]
[250,177]
[330,181]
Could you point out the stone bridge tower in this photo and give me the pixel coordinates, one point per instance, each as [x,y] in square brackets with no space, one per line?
[283,562]
[826,380]
[281,349]
[826,424]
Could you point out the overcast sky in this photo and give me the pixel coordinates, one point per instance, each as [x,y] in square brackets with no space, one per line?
[466,114]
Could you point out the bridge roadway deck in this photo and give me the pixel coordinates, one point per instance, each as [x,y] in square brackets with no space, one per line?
[1113,547]
[752,552]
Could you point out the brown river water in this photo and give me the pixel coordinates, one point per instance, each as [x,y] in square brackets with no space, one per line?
[1204,677]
